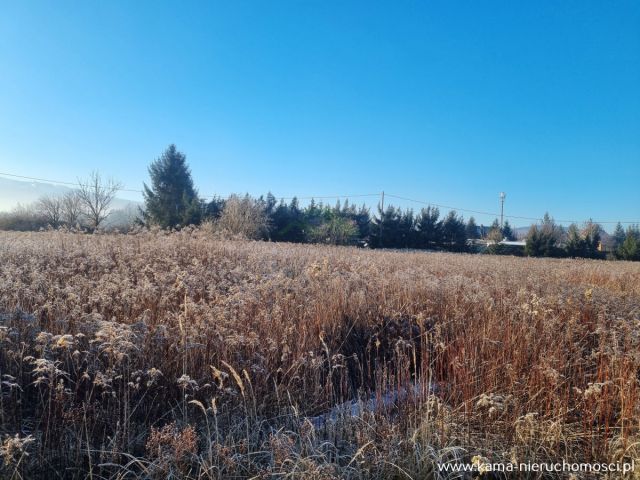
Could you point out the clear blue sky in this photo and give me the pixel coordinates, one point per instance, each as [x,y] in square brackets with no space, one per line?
[449,102]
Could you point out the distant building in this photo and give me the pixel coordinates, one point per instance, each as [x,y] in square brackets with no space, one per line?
[514,243]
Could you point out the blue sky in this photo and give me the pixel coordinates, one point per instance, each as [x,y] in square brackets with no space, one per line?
[449,102]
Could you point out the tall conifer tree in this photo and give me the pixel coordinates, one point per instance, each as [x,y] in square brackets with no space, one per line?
[172,200]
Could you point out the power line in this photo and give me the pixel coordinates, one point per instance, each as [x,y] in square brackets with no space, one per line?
[76,184]
[321,197]
[449,207]
[479,212]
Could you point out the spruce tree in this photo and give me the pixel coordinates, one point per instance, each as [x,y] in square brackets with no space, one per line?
[288,222]
[212,210]
[472,228]
[454,233]
[549,236]
[507,232]
[534,244]
[428,228]
[362,218]
[407,231]
[172,200]
[618,236]
[592,238]
[630,248]
[386,228]
[575,246]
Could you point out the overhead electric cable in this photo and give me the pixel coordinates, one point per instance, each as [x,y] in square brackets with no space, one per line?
[347,196]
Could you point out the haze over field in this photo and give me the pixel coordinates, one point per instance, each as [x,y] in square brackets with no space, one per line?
[17,192]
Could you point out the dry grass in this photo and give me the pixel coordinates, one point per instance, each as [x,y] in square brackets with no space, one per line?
[157,355]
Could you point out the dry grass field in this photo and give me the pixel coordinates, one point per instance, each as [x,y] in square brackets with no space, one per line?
[176,355]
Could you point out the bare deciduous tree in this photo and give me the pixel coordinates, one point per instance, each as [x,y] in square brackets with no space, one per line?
[51,209]
[72,209]
[243,216]
[96,196]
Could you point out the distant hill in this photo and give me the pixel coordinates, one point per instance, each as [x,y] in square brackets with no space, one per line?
[17,192]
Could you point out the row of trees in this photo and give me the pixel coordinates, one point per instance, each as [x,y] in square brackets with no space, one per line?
[171,201]
[550,240]
[627,243]
[86,207]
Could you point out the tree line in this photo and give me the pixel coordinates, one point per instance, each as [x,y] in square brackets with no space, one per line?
[171,201]
[550,240]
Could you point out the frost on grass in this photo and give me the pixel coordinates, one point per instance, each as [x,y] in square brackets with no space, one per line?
[181,355]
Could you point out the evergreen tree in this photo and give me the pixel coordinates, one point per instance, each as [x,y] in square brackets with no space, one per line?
[363,221]
[630,248]
[406,237]
[213,209]
[533,246]
[429,233]
[575,245]
[472,228]
[550,236]
[270,204]
[542,240]
[507,232]
[296,227]
[279,222]
[171,200]
[287,222]
[385,228]
[454,234]
[314,215]
[618,236]
[591,235]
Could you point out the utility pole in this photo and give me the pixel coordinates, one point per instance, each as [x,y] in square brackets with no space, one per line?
[502,197]
[381,214]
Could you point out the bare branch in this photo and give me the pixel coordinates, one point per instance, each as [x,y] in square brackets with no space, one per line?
[51,209]
[96,196]
[72,209]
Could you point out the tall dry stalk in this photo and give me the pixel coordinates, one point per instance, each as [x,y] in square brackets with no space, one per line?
[333,362]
